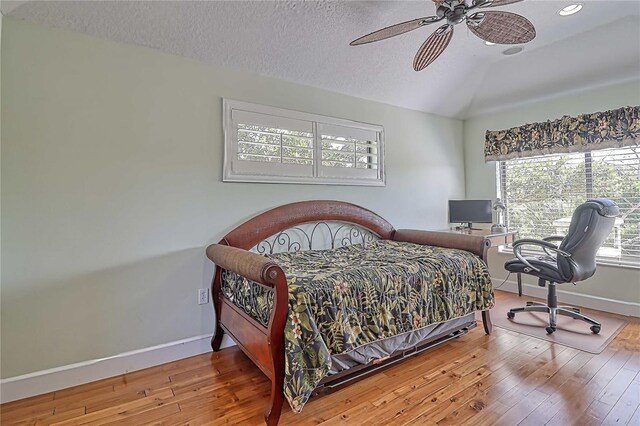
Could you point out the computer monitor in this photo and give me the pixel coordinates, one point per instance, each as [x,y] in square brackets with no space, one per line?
[470,211]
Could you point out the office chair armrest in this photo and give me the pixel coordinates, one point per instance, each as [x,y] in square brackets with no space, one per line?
[542,243]
[552,238]
[517,248]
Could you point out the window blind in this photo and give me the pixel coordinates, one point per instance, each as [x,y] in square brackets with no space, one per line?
[542,192]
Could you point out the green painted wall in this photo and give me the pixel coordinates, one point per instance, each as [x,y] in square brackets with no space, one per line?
[111,189]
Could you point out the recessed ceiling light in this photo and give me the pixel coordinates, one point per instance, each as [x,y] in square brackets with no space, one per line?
[513,50]
[570,10]
[488,43]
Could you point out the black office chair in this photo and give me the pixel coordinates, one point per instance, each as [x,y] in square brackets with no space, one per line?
[573,260]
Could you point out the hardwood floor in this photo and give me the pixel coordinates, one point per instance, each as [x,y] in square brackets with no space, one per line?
[502,379]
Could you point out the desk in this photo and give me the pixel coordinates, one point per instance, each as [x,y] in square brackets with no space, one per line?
[494,239]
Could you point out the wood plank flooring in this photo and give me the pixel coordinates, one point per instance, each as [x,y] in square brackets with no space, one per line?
[502,379]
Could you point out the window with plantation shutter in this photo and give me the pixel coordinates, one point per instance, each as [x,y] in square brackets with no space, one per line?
[348,152]
[267,144]
[542,192]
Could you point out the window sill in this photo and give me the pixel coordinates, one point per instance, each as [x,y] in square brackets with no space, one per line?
[301,180]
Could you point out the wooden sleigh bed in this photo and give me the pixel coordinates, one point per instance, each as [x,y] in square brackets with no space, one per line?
[242,256]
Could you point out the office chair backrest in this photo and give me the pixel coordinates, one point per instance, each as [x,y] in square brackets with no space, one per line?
[591,224]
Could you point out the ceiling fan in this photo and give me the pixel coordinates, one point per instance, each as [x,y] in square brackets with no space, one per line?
[492,26]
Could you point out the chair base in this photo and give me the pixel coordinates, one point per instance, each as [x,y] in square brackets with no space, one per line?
[554,310]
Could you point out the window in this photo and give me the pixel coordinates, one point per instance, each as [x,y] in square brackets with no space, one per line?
[542,192]
[267,144]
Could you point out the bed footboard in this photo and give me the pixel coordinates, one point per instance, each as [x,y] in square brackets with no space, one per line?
[262,346]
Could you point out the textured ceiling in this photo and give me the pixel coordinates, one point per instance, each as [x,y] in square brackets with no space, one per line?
[308,42]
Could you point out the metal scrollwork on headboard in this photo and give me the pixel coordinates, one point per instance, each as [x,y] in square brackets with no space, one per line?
[316,236]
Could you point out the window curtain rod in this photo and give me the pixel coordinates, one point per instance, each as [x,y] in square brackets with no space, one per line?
[587,132]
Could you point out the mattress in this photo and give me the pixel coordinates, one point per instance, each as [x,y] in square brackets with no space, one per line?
[345,298]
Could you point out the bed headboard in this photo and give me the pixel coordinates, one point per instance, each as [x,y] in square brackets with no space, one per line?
[316,236]
[309,225]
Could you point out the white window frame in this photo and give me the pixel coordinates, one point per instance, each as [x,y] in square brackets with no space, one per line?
[235,170]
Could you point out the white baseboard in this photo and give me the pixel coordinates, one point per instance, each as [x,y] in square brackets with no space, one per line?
[54,379]
[574,299]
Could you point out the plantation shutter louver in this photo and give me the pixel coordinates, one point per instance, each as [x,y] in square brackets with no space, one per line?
[348,152]
[268,144]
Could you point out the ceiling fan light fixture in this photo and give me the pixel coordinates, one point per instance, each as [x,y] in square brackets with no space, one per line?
[570,10]
[513,50]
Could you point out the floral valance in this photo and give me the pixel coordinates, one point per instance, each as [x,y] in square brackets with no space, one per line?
[586,132]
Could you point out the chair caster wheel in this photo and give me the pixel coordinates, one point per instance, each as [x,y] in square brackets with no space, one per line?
[510,315]
[550,329]
[595,329]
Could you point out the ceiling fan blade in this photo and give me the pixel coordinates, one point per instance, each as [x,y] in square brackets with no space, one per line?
[433,47]
[394,30]
[497,3]
[501,27]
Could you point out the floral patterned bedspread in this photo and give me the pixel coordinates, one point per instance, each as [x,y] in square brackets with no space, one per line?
[344,298]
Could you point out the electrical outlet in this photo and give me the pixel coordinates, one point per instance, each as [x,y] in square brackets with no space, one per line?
[203,296]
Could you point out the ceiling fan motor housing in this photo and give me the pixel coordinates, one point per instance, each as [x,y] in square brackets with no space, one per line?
[454,11]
